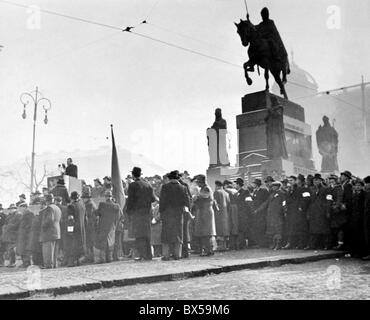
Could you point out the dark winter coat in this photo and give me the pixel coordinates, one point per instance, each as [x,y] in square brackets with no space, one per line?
[10,230]
[275,214]
[76,240]
[173,199]
[244,210]
[367,219]
[109,214]
[24,232]
[140,196]
[297,203]
[318,212]
[61,191]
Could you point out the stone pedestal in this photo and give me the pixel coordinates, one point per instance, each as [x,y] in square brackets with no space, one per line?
[252,138]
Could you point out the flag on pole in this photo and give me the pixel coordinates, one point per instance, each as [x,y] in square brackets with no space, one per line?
[118,192]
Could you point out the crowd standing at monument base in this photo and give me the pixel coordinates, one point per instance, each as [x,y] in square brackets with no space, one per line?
[176,216]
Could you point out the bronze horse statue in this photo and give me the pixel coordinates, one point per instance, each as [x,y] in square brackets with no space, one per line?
[260,54]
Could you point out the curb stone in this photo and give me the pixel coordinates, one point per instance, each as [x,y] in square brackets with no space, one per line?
[91,286]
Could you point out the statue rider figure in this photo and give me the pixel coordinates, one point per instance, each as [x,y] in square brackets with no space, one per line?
[268,31]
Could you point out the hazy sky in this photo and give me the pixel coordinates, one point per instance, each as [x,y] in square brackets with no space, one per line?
[160,99]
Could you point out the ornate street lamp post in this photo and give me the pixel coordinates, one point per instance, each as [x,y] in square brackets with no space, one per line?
[36,98]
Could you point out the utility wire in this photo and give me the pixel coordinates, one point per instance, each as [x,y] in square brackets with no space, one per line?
[128,29]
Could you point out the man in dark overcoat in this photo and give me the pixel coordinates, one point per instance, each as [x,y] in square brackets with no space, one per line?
[243,201]
[222,218]
[275,216]
[233,214]
[24,235]
[139,204]
[188,217]
[61,191]
[260,196]
[297,202]
[318,215]
[10,233]
[172,202]
[76,231]
[109,215]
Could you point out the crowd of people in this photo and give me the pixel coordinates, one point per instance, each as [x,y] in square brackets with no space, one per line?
[175,215]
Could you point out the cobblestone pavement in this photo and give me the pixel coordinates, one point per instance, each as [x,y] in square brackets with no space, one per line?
[327,279]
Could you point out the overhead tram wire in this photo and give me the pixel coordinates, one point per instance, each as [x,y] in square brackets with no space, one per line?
[129,30]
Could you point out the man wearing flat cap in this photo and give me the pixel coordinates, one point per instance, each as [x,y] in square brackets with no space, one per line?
[140,196]
[60,190]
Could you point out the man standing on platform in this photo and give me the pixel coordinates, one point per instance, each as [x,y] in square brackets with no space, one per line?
[71,169]
[139,203]
[50,232]
[109,215]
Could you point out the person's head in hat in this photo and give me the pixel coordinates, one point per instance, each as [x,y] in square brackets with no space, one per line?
[49,199]
[239,183]
[61,182]
[358,185]
[75,196]
[201,180]
[174,175]
[106,179]
[86,193]
[275,186]
[136,172]
[257,183]
[218,184]
[301,180]
[22,197]
[332,180]
[58,200]
[108,195]
[367,182]
[345,176]
[45,191]
[268,181]
[292,180]
[12,208]
[309,180]
[97,183]
[227,183]
[317,180]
